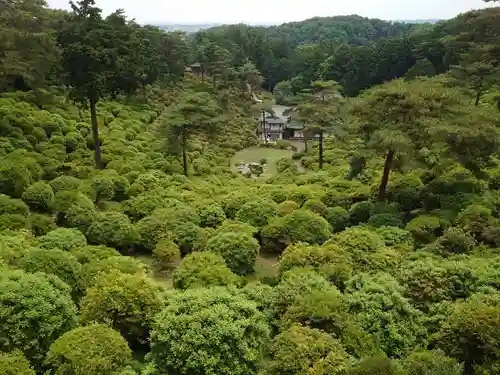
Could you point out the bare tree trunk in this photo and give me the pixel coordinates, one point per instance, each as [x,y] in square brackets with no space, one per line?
[478,98]
[184,150]
[321,150]
[306,146]
[385,177]
[95,135]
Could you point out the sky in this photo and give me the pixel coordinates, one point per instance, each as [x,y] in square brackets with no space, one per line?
[277,11]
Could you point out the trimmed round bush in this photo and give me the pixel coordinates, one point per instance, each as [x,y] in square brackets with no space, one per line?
[127,303]
[166,254]
[297,350]
[305,255]
[63,238]
[301,225]
[315,205]
[13,222]
[93,350]
[360,212]
[89,254]
[453,241]
[112,229]
[227,329]
[257,213]
[211,215]
[358,239]
[65,183]
[15,364]
[287,207]
[475,219]
[41,224]
[203,270]
[239,250]
[430,362]
[394,236]
[426,228]
[39,196]
[338,218]
[35,310]
[12,206]
[385,220]
[56,262]
[124,264]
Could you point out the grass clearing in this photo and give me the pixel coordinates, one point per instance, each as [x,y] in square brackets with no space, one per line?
[254,154]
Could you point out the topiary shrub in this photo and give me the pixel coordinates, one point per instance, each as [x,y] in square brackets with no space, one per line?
[470,333]
[65,183]
[357,240]
[12,206]
[211,215]
[426,228]
[166,255]
[232,202]
[56,262]
[257,213]
[315,205]
[95,349]
[124,264]
[396,237]
[127,303]
[301,225]
[299,350]
[453,241]
[15,364]
[64,239]
[13,222]
[239,250]
[304,255]
[203,270]
[338,218]
[112,229]
[385,220]
[89,254]
[41,224]
[475,219]
[360,212]
[227,328]
[35,310]
[430,362]
[39,197]
[287,207]
[379,365]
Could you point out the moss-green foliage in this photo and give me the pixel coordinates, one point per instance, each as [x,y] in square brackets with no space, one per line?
[39,196]
[9,205]
[112,229]
[127,303]
[300,349]
[56,262]
[95,349]
[127,265]
[302,255]
[469,333]
[64,239]
[14,364]
[301,225]
[257,213]
[34,311]
[88,254]
[378,304]
[227,328]
[211,215]
[287,207]
[41,224]
[166,254]
[430,362]
[378,365]
[239,250]
[203,270]
[426,228]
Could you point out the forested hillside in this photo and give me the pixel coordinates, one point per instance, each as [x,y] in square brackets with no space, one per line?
[366,243]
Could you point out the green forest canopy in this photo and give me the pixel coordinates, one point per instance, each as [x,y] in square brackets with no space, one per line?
[129,246]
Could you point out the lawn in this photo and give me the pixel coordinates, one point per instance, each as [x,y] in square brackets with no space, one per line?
[254,154]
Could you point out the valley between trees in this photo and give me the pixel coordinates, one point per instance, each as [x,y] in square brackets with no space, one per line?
[131,245]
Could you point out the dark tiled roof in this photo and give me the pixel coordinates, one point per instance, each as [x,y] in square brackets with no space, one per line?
[274,121]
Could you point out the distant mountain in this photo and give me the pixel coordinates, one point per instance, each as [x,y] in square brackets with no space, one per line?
[189,28]
[192,28]
[420,21]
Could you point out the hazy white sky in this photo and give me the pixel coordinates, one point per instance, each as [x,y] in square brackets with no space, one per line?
[277,11]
